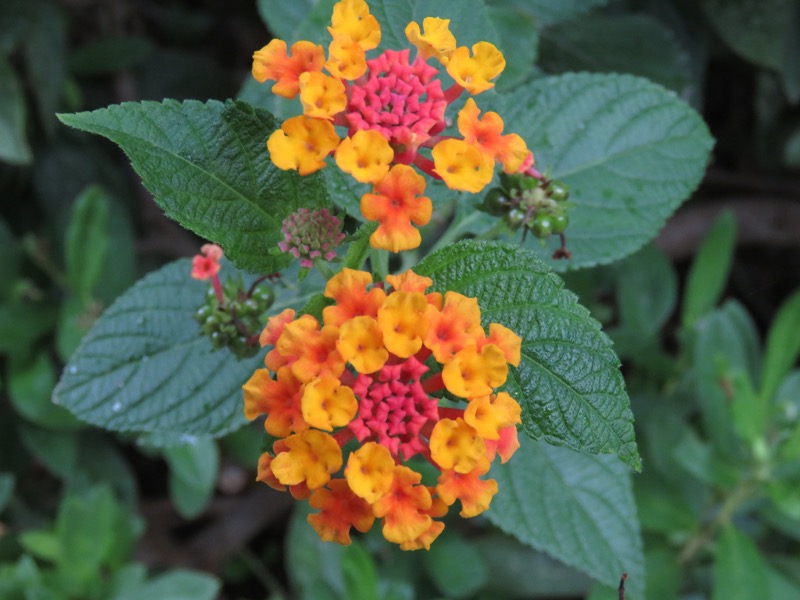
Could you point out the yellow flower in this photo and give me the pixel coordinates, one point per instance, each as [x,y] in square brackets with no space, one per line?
[370,471]
[403,321]
[326,403]
[361,344]
[489,414]
[311,458]
[436,41]
[455,445]
[473,73]
[301,144]
[470,374]
[322,96]
[352,20]
[462,166]
[366,156]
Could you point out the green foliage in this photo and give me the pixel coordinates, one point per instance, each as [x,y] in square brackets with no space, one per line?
[568,381]
[207,167]
[14,146]
[193,473]
[575,507]
[122,376]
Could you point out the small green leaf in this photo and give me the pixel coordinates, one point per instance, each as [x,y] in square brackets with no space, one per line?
[700,459]
[456,567]
[41,544]
[177,584]
[87,240]
[22,324]
[193,473]
[577,508]
[144,366]
[13,141]
[314,567]
[208,167]
[726,341]
[57,450]
[568,381]
[782,347]
[359,246]
[740,573]
[630,151]
[710,268]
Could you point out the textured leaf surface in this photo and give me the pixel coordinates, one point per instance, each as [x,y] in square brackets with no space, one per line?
[578,508]
[145,368]
[568,381]
[208,167]
[629,150]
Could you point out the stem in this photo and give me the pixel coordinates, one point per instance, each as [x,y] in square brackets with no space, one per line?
[218,289]
[380,262]
[324,268]
[255,285]
[705,536]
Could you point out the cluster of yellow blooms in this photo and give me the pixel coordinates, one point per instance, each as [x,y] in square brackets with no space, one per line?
[394,375]
[367,373]
[392,107]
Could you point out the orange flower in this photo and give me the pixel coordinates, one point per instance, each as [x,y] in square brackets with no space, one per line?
[455,327]
[396,203]
[340,509]
[272,62]
[349,289]
[403,507]
[475,494]
[206,264]
[279,399]
[461,166]
[487,135]
[364,378]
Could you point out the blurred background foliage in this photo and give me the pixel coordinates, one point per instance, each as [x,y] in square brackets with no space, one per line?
[706,320]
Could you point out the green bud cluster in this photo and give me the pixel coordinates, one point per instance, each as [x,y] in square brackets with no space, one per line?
[536,205]
[237,323]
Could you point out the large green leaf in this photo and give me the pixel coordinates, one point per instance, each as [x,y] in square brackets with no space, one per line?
[578,508]
[208,167]
[635,44]
[629,150]
[144,367]
[782,347]
[550,12]
[568,381]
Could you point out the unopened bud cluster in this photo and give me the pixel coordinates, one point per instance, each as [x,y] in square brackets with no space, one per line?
[236,323]
[536,205]
[310,234]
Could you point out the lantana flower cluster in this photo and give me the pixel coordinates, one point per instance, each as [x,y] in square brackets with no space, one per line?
[392,106]
[354,402]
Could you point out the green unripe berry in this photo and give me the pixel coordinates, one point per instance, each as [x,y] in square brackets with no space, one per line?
[560,222]
[558,191]
[496,202]
[542,226]
[515,218]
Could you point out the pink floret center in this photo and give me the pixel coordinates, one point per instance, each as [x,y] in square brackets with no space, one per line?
[393,408]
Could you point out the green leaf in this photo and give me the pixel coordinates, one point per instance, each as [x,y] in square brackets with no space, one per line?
[757,30]
[710,268]
[193,473]
[629,150]
[550,12]
[455,566]
[85,528]
[87,241]
[313,566]
[627,43]
[9,261]
[360,573]
[469,21]
[208,168]
[13,142]
[177,584]
[782,347]
[568,381]
[577,508]
[359,246]
[42,544]
[56,450]
[22,324]
[739,571]
[283,18]
[144,367]
[726,341]
[519,42]
[646,290]
[30,387]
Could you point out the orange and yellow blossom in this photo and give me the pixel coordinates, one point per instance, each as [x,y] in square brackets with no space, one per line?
[361,376]
[392,111]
